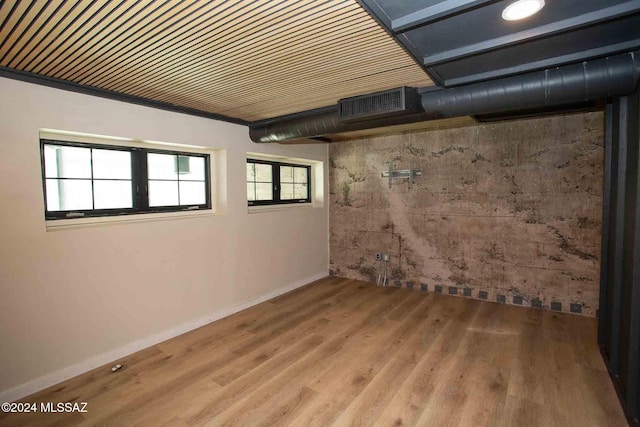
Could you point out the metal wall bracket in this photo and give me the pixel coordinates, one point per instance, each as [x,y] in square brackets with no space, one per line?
[408,174]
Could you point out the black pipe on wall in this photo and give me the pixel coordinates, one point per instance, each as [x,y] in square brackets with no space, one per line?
[596,79]
[619,312]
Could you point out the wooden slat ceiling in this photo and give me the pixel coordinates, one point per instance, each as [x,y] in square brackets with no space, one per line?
[245,59]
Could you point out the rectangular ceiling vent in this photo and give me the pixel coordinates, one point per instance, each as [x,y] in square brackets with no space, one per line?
[393,102]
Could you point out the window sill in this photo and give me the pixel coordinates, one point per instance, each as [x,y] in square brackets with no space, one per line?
[61,224]
[283,207]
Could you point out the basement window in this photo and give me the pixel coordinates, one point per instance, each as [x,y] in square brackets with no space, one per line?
[277,183]
[96,180]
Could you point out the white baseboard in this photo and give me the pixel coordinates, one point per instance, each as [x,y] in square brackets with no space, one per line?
[63,374]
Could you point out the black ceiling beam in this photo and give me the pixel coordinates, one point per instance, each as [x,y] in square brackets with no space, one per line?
[434,13]
[545,63]
[28,77]
[569,24]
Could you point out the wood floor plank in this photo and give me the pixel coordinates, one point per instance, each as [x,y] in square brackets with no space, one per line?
[601,409]
[344,339]
[295,318]
[156,413]
[342,352]
[485,385]
[96,382]
[491,328]
[366,407]
[449,397]
[260,349]
[435,366]
[528,363]
[275,409]
[220,401]
[366,354]
[125,406]
[520,412]
[581,334]
[439,310]
[284,413]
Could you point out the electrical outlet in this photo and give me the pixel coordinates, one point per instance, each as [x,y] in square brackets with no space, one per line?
[385,257]
[378,257]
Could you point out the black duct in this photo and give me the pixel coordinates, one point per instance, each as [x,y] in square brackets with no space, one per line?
[316,125]
[596,79]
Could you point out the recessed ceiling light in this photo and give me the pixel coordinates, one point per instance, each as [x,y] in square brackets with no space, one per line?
[522,9]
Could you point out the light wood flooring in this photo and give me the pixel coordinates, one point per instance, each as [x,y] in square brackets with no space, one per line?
[341,352]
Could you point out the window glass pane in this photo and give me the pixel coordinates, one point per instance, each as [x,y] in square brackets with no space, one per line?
[300,175]
[263,173]
[192,193]
[163,193]
[191,168]
[51,161]
[69,194]
[112,194]
[300,191]
[53,195]
[251,172]
[251,191]
[111,164]
[162,166]
[286,191]
[264,191]
[67,162]
[286,174]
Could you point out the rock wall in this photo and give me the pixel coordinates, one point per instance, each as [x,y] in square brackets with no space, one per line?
[508,212]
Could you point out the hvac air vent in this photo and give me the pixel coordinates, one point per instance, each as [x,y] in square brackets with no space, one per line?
[393,102]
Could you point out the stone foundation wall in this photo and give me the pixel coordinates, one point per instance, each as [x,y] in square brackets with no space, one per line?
[509,212]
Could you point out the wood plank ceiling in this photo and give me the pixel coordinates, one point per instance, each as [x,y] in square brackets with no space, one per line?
[244,59]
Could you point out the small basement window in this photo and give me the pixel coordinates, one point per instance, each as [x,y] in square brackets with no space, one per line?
[94,180]
[276,183]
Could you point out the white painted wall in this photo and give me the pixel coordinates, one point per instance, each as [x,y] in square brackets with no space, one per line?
[76,298]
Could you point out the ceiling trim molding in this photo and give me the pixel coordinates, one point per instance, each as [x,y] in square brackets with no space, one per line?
[109,94]
[576,22]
